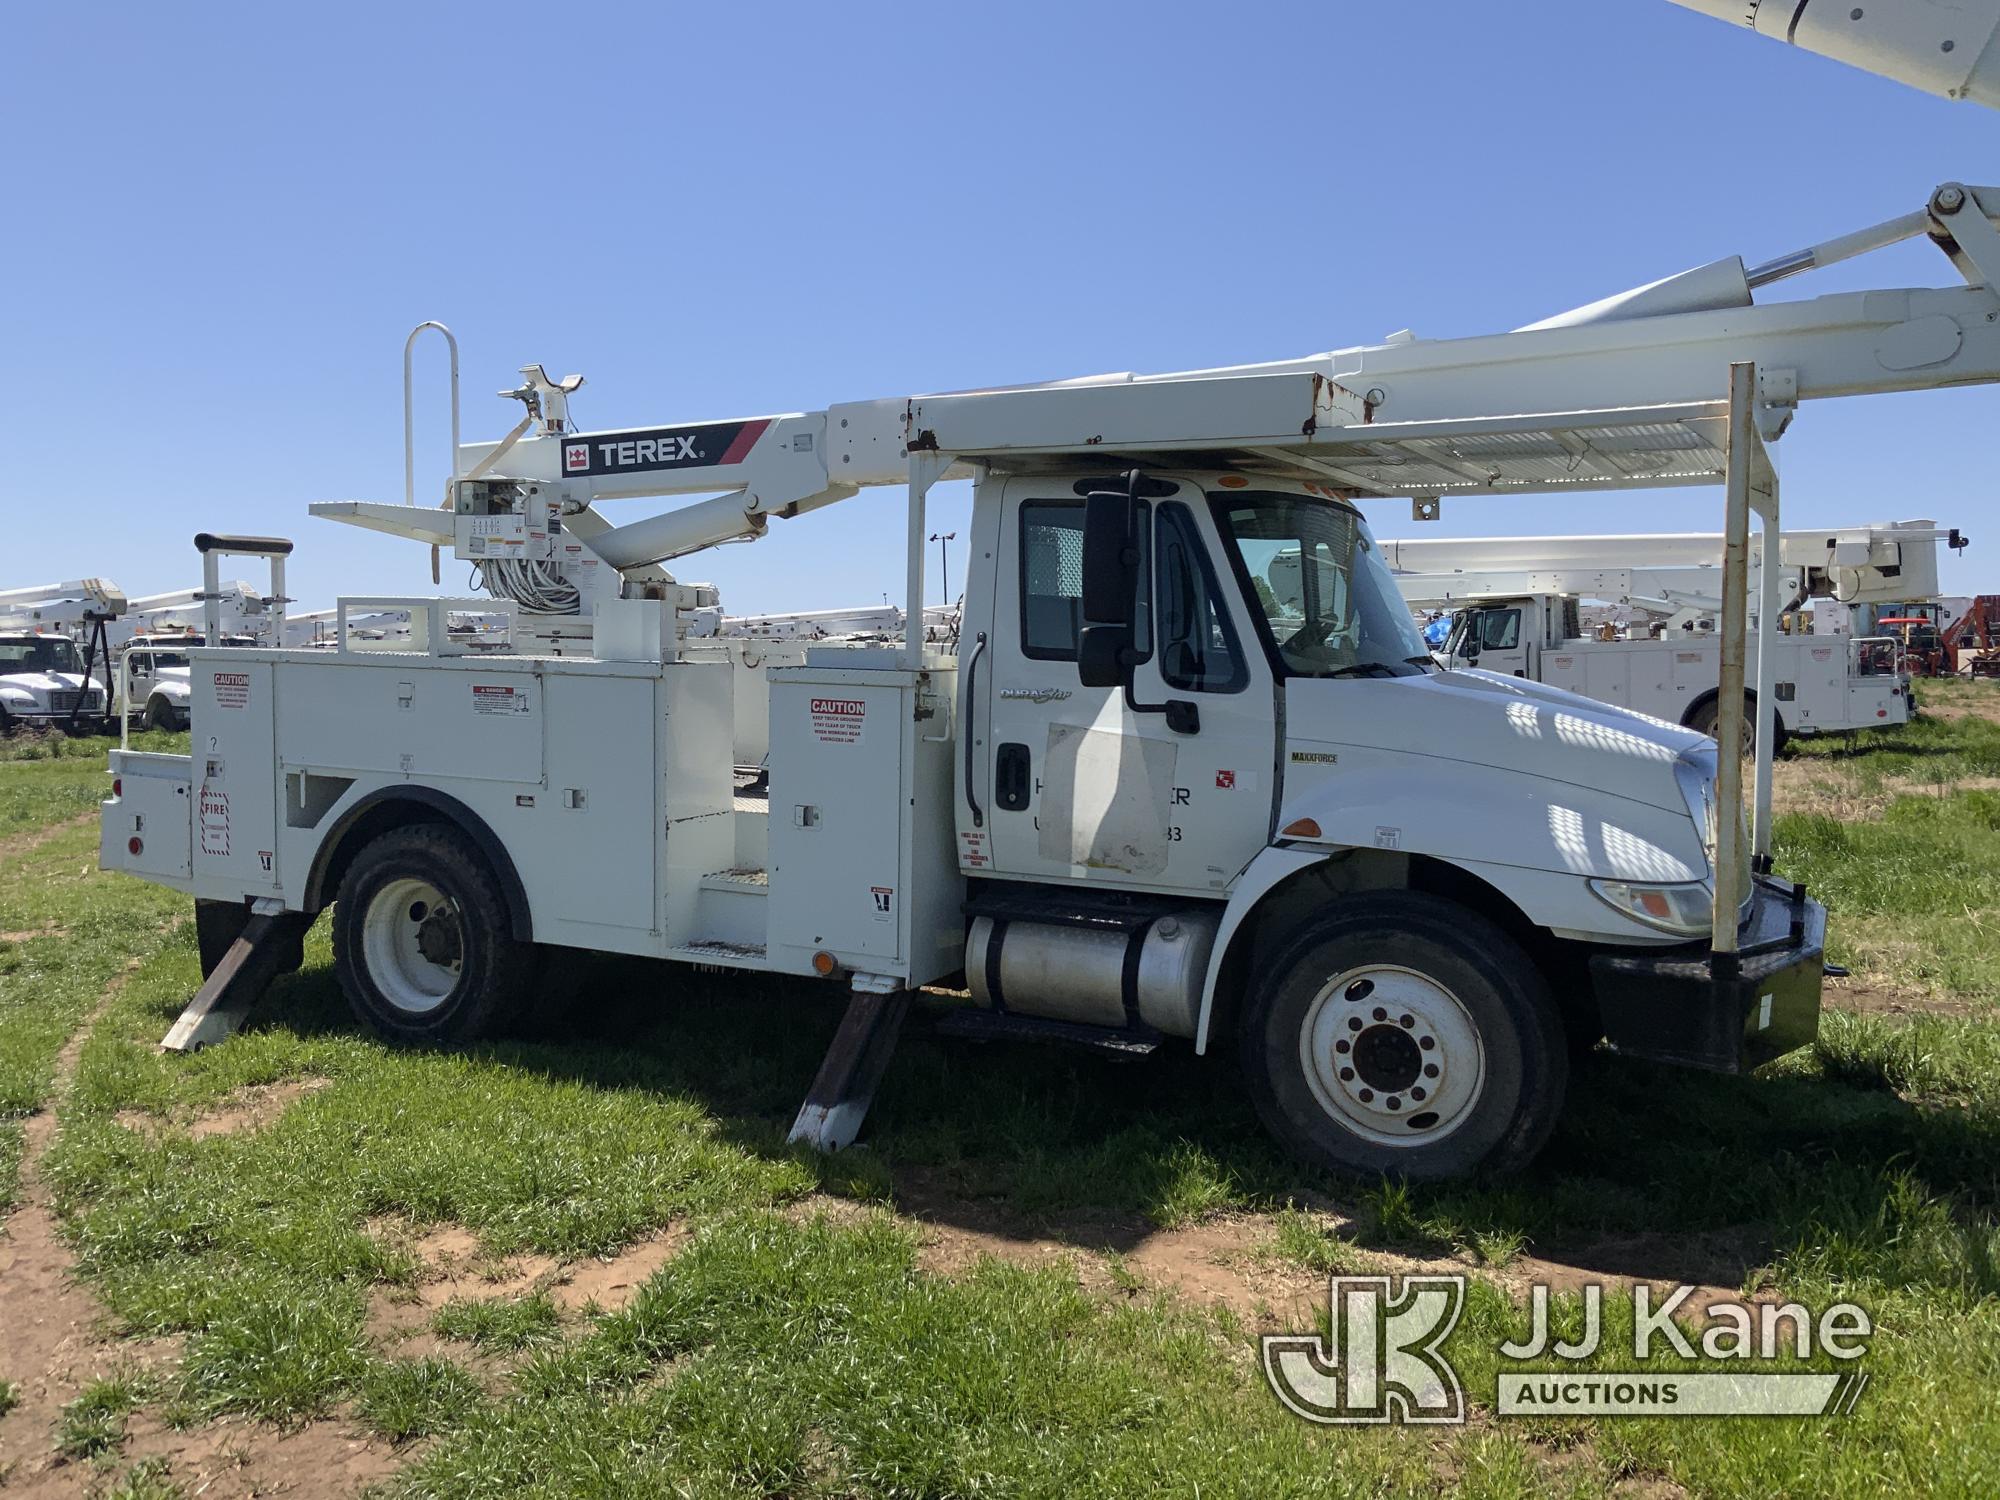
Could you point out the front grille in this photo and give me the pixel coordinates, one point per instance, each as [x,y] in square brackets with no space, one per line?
[65,701]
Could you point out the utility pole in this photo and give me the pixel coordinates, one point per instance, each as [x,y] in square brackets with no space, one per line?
[944,563]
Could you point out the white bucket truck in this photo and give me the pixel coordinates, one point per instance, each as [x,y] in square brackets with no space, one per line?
[1520,605]
[1147,797]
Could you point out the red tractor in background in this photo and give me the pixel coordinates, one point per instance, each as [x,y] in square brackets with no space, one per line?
[1971,643]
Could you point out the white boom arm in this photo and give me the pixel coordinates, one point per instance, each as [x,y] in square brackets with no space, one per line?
[1627,392]
[100,595]
[1856,565]
[1944,47]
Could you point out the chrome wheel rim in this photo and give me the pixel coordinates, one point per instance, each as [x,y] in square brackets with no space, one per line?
[414,943]
[1393,1055]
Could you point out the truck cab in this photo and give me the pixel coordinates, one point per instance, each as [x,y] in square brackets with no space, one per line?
[1505,636]
[1244,736]
[44,678]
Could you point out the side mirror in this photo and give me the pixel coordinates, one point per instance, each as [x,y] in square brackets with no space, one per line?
[1110,561]
[1102,652]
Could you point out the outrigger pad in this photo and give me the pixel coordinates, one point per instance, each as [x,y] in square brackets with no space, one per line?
[266,947]
[831,1117]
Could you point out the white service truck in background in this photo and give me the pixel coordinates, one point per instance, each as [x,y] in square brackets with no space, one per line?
[46,678]
[1519,607]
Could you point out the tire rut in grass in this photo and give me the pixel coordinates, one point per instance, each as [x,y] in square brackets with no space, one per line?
[14,845]
[52,1349]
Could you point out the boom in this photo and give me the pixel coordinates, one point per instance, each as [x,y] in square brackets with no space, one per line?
[1944,47]
[1622,393]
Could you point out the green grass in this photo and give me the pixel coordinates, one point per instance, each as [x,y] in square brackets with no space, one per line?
[810,1360]
[149,1479]
[516,1323]
[414,1398]
[1931,748]
[10,1396]
[65,932]
[94,1423]
[1916,892]
[785,1353]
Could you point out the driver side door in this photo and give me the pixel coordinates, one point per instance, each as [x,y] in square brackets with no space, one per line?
[1084,786]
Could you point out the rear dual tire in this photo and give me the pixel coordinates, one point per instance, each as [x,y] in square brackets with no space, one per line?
[1707,719]
[1402,1034]
[422,942]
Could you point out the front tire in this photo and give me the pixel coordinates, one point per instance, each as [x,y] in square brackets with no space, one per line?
[1403,1034]
[422,943]
[161,714]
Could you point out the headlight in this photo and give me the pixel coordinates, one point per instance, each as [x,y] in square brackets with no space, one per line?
[1685,909]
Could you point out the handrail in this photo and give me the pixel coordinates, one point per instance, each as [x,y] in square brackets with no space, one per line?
[124,703]
[968,719]
[409,417]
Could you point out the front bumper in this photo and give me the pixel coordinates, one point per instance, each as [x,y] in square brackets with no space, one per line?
[1689,1007]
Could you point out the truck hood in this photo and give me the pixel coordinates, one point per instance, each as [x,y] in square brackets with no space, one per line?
[45,682]
[1508,723]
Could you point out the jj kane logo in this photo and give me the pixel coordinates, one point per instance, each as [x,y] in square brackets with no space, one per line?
[1384,1359]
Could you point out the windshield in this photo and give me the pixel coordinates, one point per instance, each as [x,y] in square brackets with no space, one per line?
[1326,599]
[164,659]
[44,653]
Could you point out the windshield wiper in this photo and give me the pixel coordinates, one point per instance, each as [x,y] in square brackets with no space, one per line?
[1426,660]
[1356,669]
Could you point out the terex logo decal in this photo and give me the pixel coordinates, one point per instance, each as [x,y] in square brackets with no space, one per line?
[703,446]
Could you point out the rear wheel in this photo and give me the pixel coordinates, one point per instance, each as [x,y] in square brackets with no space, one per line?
[422,941]
[1707,719]
[1404,1034]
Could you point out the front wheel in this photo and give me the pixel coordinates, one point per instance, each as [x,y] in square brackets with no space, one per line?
[421,939]
[161,714]
[1403,1034]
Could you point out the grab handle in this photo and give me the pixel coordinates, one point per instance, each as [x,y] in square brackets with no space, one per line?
[970,718]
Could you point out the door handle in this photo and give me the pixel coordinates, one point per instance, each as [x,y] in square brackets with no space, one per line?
[1013,765]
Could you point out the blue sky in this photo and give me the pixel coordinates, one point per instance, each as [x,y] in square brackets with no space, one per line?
[225,219]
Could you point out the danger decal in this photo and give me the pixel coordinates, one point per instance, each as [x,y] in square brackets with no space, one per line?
[641,450]
[838,721]
[498,698]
